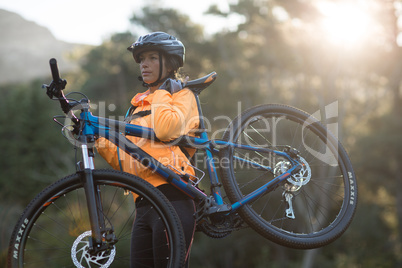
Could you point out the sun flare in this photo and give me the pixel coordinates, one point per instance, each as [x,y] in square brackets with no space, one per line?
[344,24]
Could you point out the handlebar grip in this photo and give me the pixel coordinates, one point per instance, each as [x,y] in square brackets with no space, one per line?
[55,70]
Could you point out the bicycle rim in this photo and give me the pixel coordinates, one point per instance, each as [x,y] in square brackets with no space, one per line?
[310,209]
[54,230]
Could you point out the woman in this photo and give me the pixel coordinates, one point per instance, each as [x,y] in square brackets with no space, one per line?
[171,111]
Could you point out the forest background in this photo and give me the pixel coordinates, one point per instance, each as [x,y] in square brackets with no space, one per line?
[280,52]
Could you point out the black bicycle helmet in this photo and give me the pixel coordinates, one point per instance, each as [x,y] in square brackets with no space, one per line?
[159,41]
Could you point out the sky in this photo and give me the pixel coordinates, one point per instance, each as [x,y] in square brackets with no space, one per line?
[92,21]
[345,23]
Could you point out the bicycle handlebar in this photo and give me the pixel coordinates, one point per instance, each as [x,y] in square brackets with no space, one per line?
[54,69]
[55,89]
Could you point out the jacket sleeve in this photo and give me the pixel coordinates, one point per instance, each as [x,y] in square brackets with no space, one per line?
[108,151]
[173,115]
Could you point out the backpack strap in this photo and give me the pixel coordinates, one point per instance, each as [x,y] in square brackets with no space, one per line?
[130,115]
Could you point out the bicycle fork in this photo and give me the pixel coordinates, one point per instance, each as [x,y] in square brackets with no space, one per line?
[94,204]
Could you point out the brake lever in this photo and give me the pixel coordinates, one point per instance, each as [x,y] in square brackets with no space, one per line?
[55,88]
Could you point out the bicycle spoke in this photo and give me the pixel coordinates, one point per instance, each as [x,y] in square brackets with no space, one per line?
[60,232]
[309,201]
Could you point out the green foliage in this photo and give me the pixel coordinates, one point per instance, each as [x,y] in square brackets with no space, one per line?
[109,73]
[265,60]
[31,143]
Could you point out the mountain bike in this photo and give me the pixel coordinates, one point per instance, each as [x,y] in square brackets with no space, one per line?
[284,175]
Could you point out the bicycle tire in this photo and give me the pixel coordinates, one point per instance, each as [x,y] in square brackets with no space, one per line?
[53,228]
[323,205]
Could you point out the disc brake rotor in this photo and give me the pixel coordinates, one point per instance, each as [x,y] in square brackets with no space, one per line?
[81,256]
[297,179]
[303,176]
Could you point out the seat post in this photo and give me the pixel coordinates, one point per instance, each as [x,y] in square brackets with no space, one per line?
[200,115]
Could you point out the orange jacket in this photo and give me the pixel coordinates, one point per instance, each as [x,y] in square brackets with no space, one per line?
[171,116]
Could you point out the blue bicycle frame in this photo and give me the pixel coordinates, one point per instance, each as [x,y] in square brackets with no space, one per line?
[88,125]
[282,167]
[115,131]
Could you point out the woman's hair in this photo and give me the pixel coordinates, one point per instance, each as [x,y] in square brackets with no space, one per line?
[172,63]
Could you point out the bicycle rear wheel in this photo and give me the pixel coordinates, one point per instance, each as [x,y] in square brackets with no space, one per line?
[311,208]
[53,230]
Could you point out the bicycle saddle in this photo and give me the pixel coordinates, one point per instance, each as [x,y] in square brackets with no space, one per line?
[201,83]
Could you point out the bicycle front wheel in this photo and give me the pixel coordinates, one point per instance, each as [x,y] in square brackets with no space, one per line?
[312,207]
[54,229]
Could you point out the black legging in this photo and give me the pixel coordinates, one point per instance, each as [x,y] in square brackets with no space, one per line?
[148,234]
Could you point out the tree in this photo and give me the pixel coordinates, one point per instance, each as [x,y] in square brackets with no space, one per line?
[38,153]
[109,75]
[277,54]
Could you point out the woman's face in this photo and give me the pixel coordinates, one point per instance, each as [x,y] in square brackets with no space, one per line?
[149,66]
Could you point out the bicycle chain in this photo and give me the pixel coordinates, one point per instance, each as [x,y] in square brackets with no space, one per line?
[220,230]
